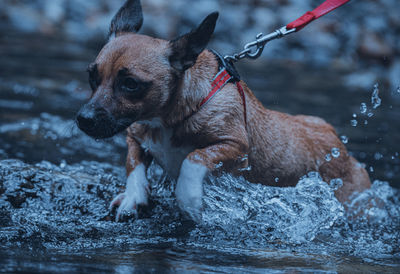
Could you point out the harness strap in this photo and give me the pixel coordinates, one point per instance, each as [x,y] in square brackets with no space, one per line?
[241,92]
[219,81]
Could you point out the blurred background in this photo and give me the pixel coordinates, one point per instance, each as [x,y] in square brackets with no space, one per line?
[330,69]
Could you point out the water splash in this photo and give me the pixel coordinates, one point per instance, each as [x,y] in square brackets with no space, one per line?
[66,208]
[328,157]
[363,108]
[335,152]
[344,139]
[294,214]
[375,100]
[335,184]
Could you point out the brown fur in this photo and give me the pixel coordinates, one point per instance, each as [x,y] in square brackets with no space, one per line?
[273,144]
[278,145]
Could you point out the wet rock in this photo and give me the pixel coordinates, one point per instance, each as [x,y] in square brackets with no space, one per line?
[374,46]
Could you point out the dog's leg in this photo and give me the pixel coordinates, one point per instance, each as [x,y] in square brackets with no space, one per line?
[137,186]
[189,188]
[196,166]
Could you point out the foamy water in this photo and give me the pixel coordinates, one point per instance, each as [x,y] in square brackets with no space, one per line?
[65,208]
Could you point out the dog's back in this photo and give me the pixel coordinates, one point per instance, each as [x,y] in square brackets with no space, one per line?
[284,147]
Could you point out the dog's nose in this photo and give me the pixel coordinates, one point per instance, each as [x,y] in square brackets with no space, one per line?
[90,117]
[86,117]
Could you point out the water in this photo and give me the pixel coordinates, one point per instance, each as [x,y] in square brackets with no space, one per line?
[63,210]
[375,100]
[335,152]
[363,108]
[56,184]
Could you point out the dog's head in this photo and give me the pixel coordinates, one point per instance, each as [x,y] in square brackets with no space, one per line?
[134,75]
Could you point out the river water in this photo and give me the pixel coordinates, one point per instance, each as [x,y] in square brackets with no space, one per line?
[56,183]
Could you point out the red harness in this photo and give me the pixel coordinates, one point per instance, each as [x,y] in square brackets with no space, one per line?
[219,81]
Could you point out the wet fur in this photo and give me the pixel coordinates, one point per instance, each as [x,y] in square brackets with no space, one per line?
[166,122]
[278,145]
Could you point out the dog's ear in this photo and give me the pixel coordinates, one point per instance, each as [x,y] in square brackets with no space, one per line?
[129,18]
[186,48]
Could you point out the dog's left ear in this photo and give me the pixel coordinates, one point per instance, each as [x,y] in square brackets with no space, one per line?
[186,48]
[129,18]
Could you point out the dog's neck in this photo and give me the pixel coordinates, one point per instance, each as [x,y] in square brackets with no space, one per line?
[191,89]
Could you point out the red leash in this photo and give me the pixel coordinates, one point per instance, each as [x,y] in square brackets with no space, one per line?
[309,16]
[223,76]
[254,49]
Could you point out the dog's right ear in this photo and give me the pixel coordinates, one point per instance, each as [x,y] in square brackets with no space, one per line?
[186,49]
[129,18]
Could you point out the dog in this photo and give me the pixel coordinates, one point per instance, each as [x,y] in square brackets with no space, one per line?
[155,88]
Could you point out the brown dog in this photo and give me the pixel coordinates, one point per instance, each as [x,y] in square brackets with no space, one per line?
[155,88]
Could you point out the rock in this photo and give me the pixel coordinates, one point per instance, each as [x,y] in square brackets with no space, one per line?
[372,45]
[337,35]
[360,79]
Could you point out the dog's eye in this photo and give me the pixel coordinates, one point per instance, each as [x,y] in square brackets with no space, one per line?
[129,85]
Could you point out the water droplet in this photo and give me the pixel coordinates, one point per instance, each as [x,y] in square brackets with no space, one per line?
[365,122]
[354,115]
[344,139]
[371,169]
[398,90]
[63,164]
[353,123]
[378,156]
[276,179]
[248,168]
[335,184]
[335,152]
[328,157]
[370,114]
[375,100]
[363,108]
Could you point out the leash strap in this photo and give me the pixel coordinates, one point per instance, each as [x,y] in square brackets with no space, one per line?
[309,16]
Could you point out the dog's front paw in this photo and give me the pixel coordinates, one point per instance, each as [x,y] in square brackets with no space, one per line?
[191,206]
[189,189]
[127,204]
[136,193]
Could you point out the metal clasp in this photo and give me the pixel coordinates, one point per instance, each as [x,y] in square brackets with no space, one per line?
[254,49]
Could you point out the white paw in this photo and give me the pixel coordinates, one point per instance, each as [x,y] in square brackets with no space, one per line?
[189,189]
[136,193]
[192,206]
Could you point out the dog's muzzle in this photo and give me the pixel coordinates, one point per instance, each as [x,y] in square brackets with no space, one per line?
[97,122]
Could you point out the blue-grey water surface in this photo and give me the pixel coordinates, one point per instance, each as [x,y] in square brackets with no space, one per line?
[56,183]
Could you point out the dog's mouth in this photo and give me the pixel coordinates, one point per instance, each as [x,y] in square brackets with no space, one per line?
[103,130]
[100,124]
